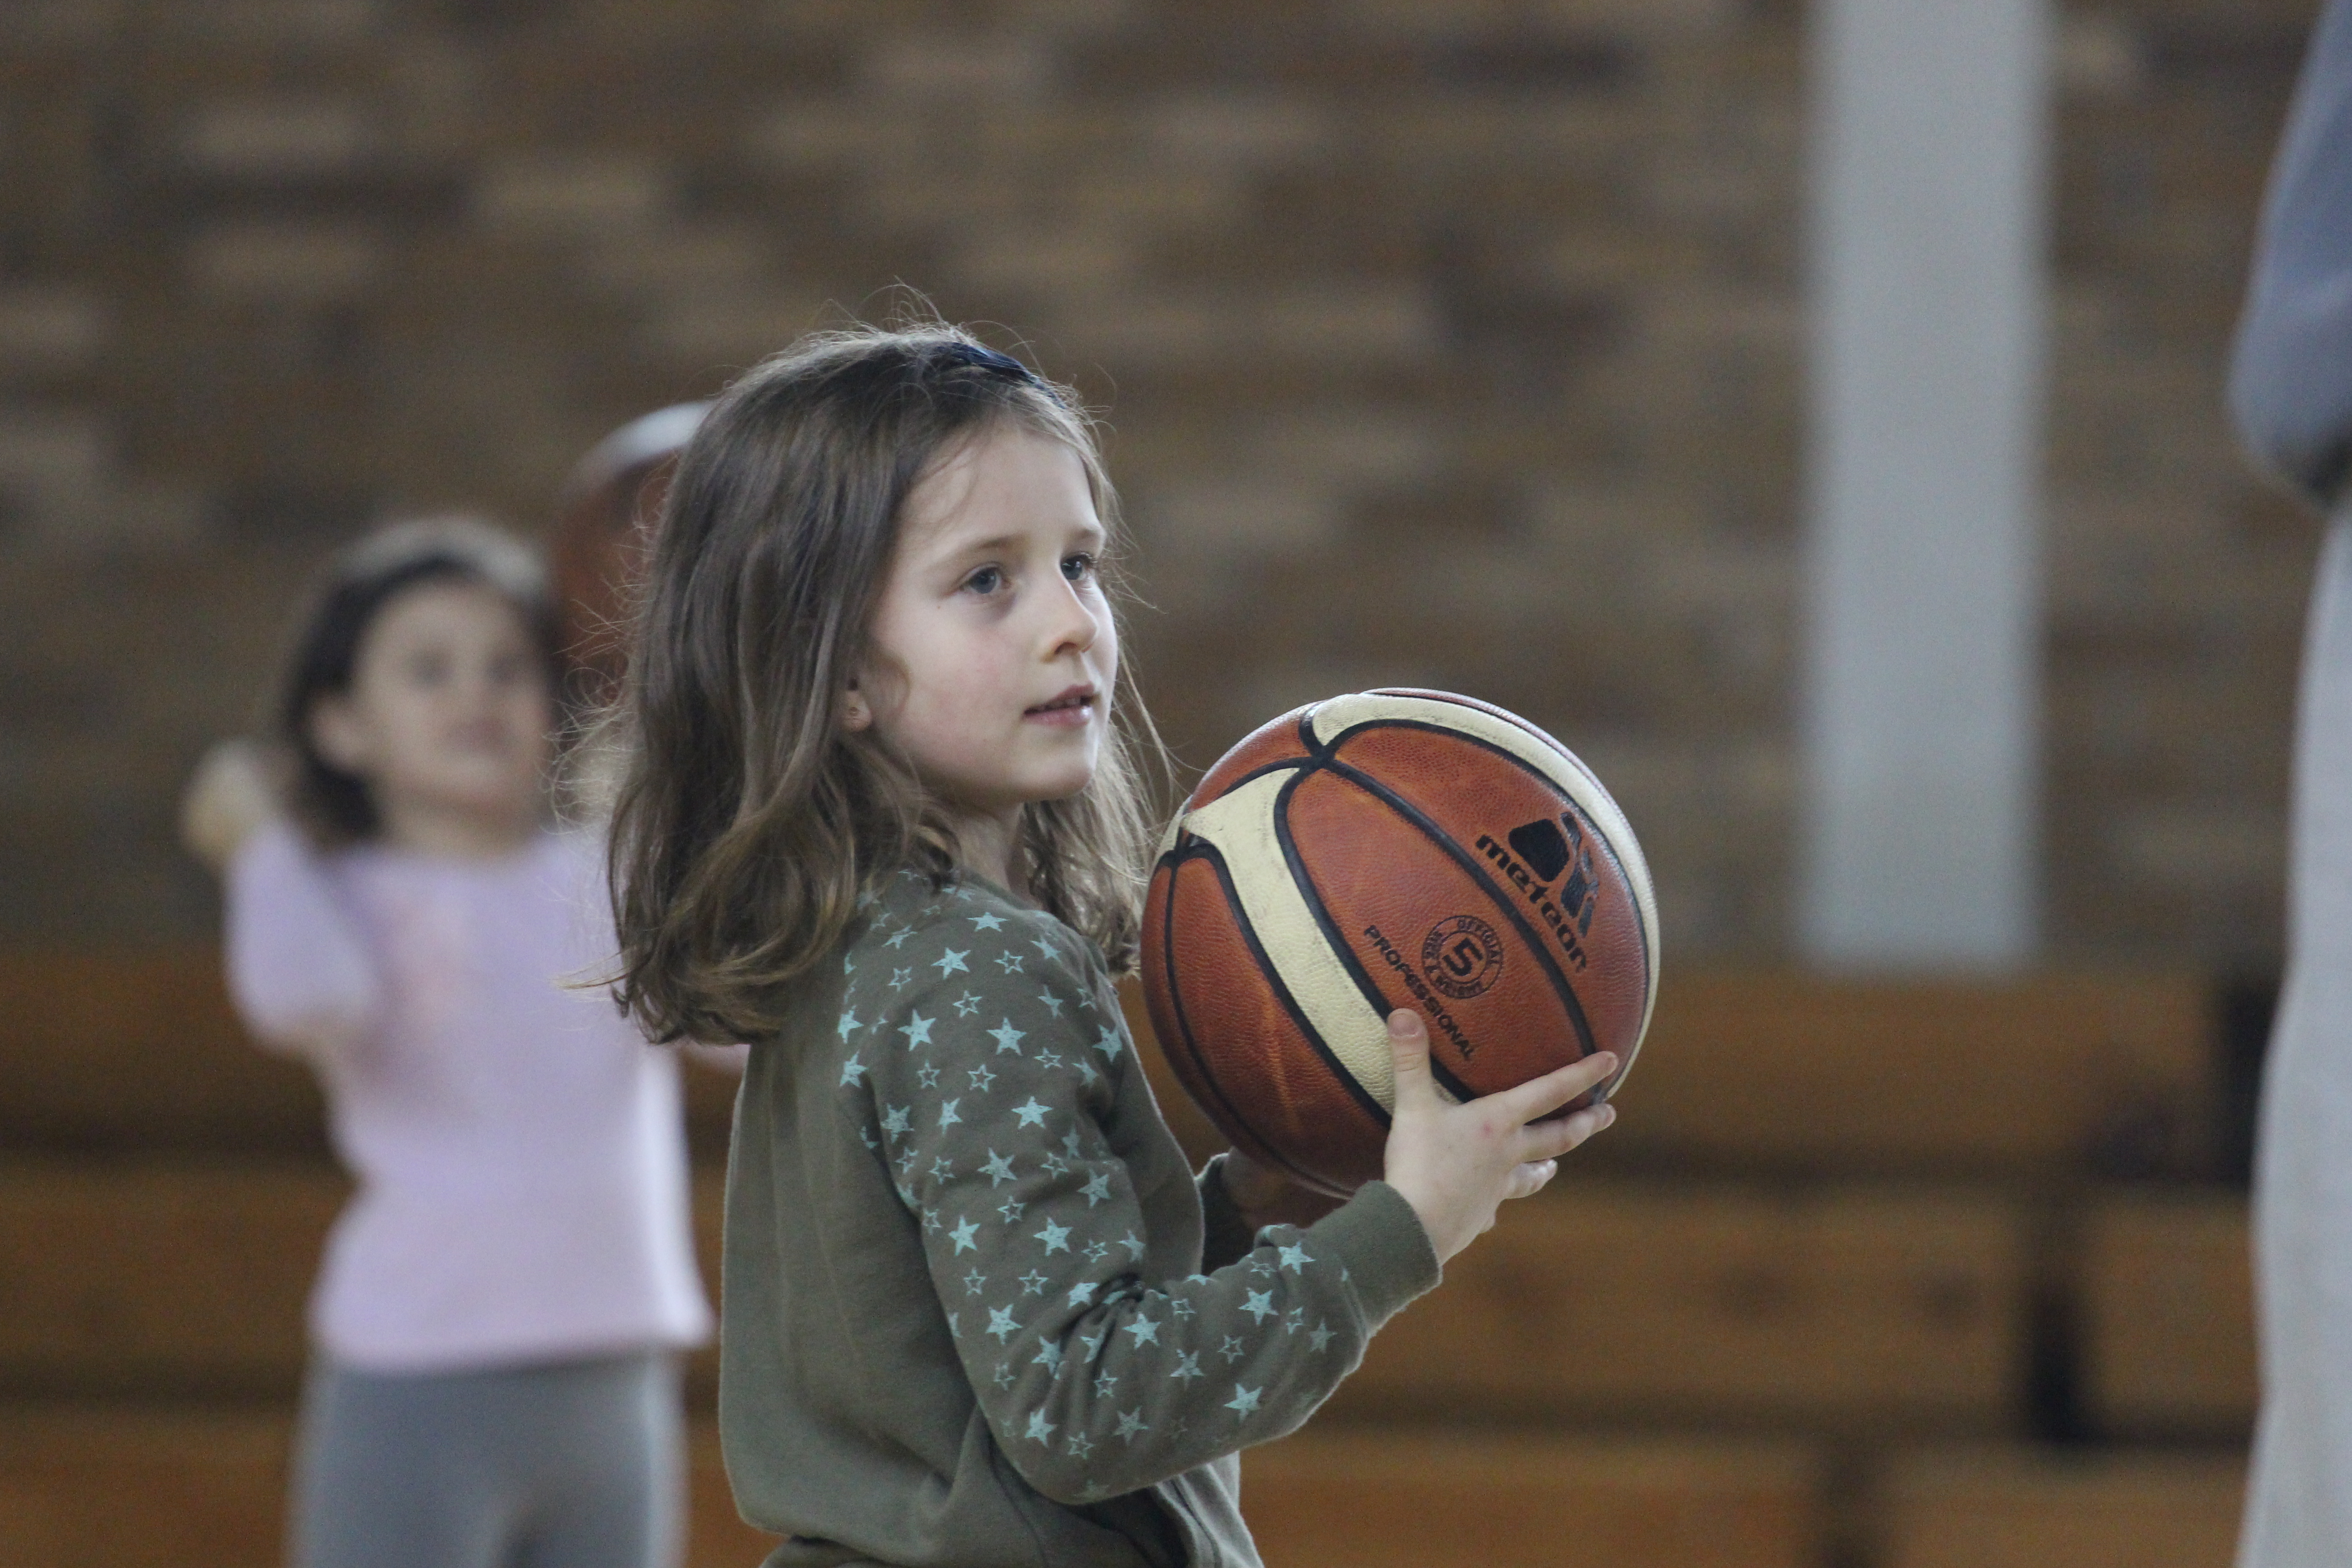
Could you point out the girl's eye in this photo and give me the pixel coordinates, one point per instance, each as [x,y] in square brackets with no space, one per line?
[1077,568]
[985,581]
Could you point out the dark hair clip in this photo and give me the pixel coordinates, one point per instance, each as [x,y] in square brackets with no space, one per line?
[956,351]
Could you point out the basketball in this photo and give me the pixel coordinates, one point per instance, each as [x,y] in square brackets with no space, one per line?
[1392,849]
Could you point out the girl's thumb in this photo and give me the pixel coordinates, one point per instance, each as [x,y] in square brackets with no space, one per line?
[1409,1051]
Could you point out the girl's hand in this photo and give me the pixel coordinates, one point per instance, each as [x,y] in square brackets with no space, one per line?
[1251,1185]
[229,796]
[1267,1196]
[1455,1164]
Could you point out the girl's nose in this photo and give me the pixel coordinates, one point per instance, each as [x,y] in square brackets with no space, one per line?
[1072,627]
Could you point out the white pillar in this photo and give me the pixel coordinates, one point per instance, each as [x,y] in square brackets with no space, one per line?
[1921,678]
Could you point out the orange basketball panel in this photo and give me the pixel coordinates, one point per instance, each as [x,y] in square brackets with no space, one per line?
[1432,935]
[1275,741]
[1236,1048]
[1536,844]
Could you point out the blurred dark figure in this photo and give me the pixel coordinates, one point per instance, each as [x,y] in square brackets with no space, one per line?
[2290,390]
[602,533]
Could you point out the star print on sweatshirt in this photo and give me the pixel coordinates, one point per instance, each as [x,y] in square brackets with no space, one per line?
[1008,1130]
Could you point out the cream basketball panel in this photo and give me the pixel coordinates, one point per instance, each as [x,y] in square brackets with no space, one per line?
[1241,826]
[1575,781]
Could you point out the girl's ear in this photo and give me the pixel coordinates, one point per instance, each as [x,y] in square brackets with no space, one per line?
[855,714]
[339,734]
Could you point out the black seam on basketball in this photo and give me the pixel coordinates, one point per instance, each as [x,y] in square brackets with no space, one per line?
[1461,857]
[1374,996]
[1377,999]
[1491,712]
[1464,736]
[1272,975]
[1206,852]
[1200,851]
[1634,902]
[1632,895]
[1453,1086]
[1256,772]
[1333,936]
[1641,921]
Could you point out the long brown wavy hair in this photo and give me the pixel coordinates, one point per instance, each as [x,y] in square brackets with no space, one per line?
[748,822]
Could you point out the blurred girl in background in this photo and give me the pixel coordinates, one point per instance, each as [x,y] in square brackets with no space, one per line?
[497,1324]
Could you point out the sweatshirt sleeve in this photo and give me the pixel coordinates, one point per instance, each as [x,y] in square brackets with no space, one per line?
[985,1079]
[298,970]
[1226,1237]
[2291,374]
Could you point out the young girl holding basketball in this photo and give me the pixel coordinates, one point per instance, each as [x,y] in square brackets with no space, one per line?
[881,819]
[497,1322]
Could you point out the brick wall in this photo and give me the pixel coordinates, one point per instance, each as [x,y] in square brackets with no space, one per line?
[2177,578]
[1447,342]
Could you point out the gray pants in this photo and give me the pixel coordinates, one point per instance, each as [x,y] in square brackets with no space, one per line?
[566,1465]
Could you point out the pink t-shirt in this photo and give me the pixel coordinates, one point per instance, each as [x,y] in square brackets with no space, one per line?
[521,1158]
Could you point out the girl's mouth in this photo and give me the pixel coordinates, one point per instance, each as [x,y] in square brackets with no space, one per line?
[1072,708]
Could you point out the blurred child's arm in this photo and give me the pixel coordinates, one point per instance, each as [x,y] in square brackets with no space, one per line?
[300,975]
[993,1103]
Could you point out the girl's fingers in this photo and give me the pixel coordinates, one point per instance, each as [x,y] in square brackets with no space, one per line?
[1409,1051]
[1529,1179]
[1541,1096]
[1550,1139]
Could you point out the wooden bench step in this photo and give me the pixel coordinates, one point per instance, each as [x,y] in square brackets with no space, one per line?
[175,1278]
[1351,1500]
[146,1487]
[132,1487]
[131,1049]
[1776,1072]
[159,1277]
[2165,1314]
[1607,1300]
[1848,1306]
[2024,1509]
[1753,1071]
[140,1047]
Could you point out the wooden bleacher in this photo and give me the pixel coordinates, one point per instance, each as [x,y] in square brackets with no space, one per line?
[140,1052]
[2166,1299]
[1767,1074]
[1349,1499]
[116,1278]
[2017,1508]
[1766,1071]
[1709,1305]
[1801,1307]
[1641,1304]
[107,1486]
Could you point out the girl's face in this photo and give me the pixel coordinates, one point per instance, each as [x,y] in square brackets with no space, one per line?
[993,655]
[448,715]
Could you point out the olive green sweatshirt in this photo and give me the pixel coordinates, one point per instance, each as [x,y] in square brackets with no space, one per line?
[969,1318]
